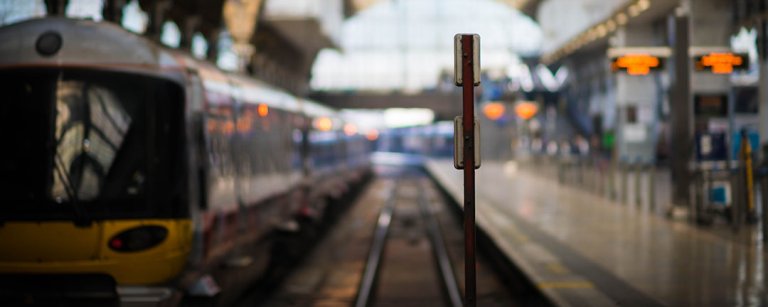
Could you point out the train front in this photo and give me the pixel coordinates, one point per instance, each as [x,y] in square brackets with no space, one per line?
[92,168]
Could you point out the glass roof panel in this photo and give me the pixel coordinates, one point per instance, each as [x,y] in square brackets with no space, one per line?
[406,44]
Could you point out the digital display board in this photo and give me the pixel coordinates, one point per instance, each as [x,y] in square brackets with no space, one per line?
[721,62]
[526,110]
[637,64]
[746,100]
[714,105]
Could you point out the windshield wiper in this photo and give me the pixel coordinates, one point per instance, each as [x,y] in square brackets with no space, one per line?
[81,219]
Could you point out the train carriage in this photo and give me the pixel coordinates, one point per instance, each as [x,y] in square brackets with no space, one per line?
[135,172]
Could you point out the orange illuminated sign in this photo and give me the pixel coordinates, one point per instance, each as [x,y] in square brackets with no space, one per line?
[494,110]
[372,135]
[721,63]
[323,124]
[350,129]
[636,64]
[526,110]
[263,110]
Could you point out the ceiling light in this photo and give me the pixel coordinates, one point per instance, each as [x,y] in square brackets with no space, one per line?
[621,19]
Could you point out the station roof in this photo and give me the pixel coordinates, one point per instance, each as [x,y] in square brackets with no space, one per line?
[407,44]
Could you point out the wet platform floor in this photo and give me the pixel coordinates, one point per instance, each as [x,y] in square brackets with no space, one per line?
[583,250]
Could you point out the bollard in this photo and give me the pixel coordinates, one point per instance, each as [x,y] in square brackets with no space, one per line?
[592,174]
[612,182]
[698,198]
[604,180]
[639,184]
[598,178]
[652,188]
[736,199]
[746,157]
[624,189]
[764,197]
[763,175]
[608,181]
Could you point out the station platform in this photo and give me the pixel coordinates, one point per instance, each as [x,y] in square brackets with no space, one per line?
[580,249]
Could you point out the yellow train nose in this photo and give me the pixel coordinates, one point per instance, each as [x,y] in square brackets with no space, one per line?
[50,241]
[131,251]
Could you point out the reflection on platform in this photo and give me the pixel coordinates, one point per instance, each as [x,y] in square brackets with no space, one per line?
[577,246]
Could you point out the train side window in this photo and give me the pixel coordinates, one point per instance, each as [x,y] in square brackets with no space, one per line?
[200,143]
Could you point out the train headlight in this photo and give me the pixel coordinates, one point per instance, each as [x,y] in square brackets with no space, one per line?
[138,238]
[49,43]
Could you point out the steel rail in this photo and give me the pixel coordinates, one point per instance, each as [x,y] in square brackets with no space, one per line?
[372,265]
[440,252]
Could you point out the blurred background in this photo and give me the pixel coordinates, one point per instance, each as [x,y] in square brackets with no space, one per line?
[659,105]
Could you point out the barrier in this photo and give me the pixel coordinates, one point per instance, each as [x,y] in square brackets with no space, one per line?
[629,183]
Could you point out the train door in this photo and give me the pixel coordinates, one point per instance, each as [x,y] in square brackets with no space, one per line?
[198,154]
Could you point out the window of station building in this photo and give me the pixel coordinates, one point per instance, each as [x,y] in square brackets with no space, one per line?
[171,35]
[12,11]
[746,100]
[632,116]
[199,46]
[712,105]
[134,19]
[85,9]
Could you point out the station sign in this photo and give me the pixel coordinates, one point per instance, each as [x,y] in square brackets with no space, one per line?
[526,109]
[459,55]
[458,143]
[721,63]
[710,105]
[638,61]
[494,110]
[637,64]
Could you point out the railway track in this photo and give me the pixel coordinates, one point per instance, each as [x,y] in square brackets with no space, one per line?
[408,211]
[400,244]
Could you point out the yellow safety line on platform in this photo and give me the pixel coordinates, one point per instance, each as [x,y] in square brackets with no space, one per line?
[557,268]
[565,285]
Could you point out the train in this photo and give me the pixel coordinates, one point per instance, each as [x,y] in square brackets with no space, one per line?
[137,174]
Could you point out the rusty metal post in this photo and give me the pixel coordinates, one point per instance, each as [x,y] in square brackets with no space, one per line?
[468,90]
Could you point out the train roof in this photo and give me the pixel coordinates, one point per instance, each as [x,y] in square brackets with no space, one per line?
[315,109]
[121,49]
[250,90]
[20,45]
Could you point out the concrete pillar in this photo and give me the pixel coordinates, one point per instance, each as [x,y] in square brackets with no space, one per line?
[697,24]
[56,7]
[212,38]
[156,14]
[113,10]
[636,100]
[709,28]
[681,106]
[763,86]
[188,25]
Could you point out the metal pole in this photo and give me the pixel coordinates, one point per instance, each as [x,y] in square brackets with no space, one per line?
[468,89]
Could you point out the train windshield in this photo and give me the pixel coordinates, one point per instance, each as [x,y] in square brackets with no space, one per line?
[100,144]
